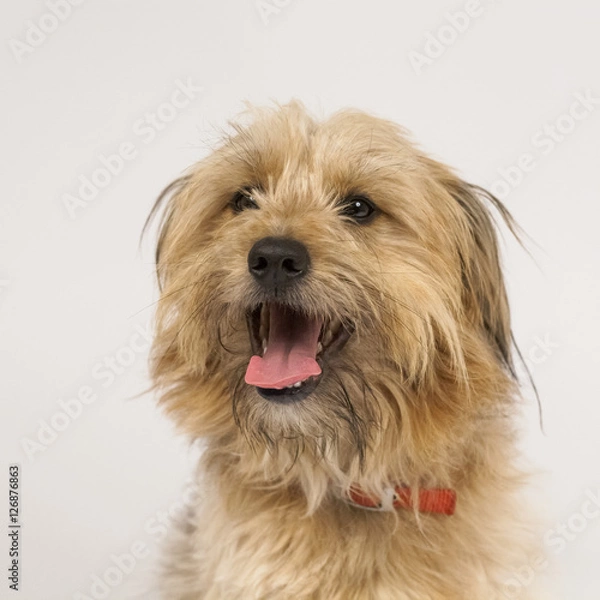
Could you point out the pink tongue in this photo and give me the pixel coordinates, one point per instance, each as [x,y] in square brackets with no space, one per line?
[291,351]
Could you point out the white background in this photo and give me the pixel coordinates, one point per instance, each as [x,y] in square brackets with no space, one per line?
[74,290]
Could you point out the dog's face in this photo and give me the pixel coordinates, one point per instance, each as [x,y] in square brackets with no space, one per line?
[328,290]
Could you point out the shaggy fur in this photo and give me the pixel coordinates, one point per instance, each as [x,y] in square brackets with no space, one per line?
[422,394]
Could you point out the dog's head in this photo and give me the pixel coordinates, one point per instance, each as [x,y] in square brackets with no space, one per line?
[329,296]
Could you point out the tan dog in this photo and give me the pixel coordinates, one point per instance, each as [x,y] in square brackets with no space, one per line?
[333,321]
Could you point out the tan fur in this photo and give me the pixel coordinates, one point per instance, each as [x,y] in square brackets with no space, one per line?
[422,394]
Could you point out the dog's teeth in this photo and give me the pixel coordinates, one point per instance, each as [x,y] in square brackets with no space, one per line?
[319,347]
[294,385]
[264,325]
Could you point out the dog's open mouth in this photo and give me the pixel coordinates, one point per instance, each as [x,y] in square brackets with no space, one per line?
[289,347]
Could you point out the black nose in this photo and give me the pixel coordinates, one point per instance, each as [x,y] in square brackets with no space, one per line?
[277,262]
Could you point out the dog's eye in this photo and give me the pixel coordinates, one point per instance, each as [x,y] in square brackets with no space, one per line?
[243,200]
[359,208]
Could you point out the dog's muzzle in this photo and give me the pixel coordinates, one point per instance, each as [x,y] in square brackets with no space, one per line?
[288,344]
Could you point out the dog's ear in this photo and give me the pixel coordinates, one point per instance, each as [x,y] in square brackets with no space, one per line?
[484,292]
[165,203]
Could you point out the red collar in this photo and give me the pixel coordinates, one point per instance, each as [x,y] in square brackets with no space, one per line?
[441,501]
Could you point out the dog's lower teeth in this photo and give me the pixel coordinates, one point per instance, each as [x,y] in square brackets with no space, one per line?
[294,385]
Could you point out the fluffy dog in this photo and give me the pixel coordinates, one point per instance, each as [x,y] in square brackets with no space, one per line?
[333,322]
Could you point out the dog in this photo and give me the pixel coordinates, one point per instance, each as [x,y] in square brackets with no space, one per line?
[333,323]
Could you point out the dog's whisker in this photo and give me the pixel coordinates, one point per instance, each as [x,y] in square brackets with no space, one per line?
[164,296]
